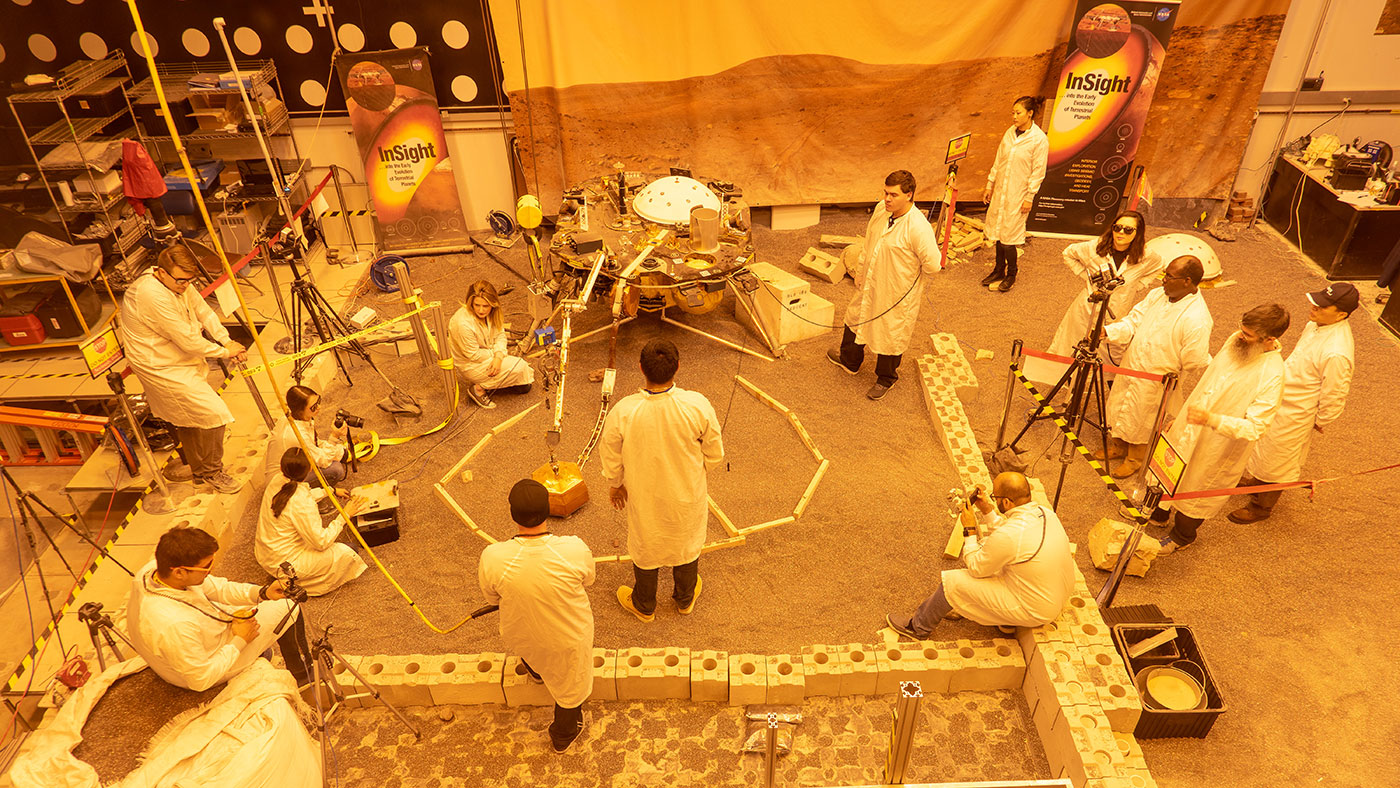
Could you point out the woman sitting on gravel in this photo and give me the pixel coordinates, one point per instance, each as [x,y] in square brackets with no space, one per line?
[479,354]
[290,529]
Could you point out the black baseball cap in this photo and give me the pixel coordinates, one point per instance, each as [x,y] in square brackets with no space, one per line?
[1342,295]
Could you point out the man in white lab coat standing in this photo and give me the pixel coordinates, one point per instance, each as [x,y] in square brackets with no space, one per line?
[196,630]
[1232,405]
[1316,380]
[900,249]
[538,579]
[1168,332]
[1020,571]
[656,447]
[161,320]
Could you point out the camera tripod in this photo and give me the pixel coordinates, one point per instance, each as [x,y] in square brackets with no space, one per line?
[1086,385]
[99,622]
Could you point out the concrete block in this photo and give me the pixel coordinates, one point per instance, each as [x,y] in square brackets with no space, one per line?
[604,674]
[206,510]
[467,678]
[927,662]
[1121,704]
[709,676]
[520,689]
[653,673]
[785,679]
[826,267]
[988,665]
[822,668]
[397,679]
[1084,745]
[861,673]
[748,679]
[1092,634]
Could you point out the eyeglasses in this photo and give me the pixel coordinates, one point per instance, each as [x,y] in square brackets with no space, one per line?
[1125,229]
[179,280]
[209,568]
[1165,277]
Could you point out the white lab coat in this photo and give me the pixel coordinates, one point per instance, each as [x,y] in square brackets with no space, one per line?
[160,334]
[1316,379]
[186,647]
[1002,584]
[660,446]
[284,436]
[1014,178]
[539,583]
[474,344]
[1079,318]
[299,537]
[1162,337]
[1245,397]
[886,304]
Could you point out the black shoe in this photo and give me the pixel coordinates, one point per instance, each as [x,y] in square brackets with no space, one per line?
[834,356]
[900,628]
[992,278]
[563,746]
[1006,284]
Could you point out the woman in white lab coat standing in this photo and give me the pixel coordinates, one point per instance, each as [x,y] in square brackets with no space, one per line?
[290,529]
[478,341]
[1011,187]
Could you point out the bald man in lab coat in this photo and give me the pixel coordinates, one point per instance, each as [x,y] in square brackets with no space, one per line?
[657,445]
[539,580]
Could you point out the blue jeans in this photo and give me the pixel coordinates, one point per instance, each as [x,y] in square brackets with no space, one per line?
[335,473]
[930,612]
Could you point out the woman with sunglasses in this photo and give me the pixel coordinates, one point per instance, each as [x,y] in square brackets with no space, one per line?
[1011,187]
[1117,254]
[329,455]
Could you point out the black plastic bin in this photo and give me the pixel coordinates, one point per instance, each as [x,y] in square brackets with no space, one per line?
[1165,723]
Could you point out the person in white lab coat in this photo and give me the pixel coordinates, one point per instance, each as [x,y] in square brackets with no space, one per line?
[656,446]
[1168,333]
[1020,571]
[1316,380]
[1232,405]
[478,340]
[329,455]
[290,530]
[161,320]
[900,250]
[196,630]
[1012,184]
[539,581]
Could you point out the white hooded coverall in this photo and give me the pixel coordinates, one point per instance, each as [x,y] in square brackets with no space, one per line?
[1244,396]
[1162,337]
[886,304]
[1316,380]
[1015,177]
[1002,584]
[161,337]
[298,537]
[659,446]
[539,583]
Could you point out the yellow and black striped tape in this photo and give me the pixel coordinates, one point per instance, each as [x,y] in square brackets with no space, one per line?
[27,664]
[1099,468]
[346,213]
[45,375]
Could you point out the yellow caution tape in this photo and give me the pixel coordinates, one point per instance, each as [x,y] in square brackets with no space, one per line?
[324,346]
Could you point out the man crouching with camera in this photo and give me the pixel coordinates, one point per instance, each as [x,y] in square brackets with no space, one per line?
[196,630]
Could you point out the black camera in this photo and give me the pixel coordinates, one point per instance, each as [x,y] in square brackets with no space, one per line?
[293,591]
[1104,284]
[343,417]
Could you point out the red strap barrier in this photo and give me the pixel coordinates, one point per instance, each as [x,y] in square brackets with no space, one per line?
[1258,488]
[314,194]
[1132,373]
[247,258]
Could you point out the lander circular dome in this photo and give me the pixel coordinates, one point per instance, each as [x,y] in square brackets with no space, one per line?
[1174,245]
[669,200]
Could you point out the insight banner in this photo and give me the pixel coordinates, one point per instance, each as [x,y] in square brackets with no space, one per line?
[1105,88]
[394,112]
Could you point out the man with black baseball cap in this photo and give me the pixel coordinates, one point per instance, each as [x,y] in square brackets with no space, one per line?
[1316,379]
[538,579]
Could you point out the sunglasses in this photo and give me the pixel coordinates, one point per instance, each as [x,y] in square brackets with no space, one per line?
[1124,229]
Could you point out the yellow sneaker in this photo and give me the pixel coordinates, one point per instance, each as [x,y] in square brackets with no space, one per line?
[624,598]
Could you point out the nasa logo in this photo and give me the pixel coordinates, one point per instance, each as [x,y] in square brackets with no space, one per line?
[1164,13]
[417,64]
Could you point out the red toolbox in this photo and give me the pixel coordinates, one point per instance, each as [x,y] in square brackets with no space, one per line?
[22,330]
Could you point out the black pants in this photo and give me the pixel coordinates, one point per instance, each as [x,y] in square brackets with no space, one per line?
[1183,530]
[290,643]
[1006,260]
[566,721]
[853,355]
[682,580]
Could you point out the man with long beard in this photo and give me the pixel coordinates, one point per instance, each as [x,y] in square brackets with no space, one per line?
[1230,408]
